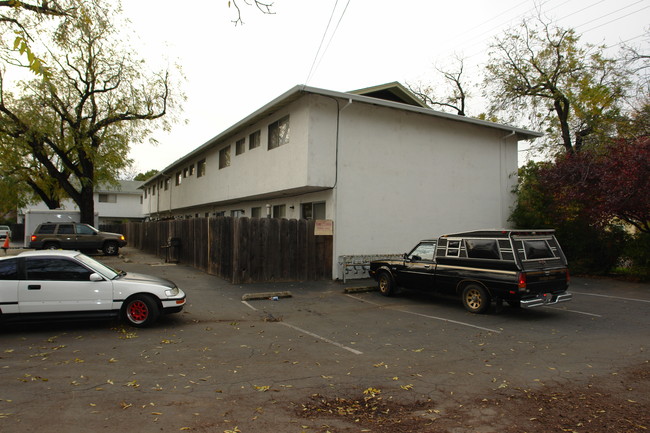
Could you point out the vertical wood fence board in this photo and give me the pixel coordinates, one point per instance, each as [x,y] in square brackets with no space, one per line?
[240,250]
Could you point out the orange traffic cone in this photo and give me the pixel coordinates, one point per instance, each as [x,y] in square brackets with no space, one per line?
[5,246]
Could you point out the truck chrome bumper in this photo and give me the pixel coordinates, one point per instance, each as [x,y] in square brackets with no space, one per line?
[546,299]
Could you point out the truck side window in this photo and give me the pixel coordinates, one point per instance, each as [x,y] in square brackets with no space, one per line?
[453,249]
[482,248]
[423,251]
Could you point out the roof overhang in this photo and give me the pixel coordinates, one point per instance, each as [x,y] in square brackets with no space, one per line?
[299,91]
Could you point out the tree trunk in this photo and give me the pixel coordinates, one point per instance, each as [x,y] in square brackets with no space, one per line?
[87,205]
[562,109]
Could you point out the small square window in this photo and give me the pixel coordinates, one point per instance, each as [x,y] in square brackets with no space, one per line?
[254,140]
[240,146]
[191,168]
[179,178]
[200,168]
[279,133]
[224,157]
[279,211]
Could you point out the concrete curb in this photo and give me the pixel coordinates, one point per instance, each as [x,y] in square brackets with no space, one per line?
[360,289]
[265,295]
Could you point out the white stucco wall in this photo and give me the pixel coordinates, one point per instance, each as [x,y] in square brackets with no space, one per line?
[394,177]
[406,176]
[307,160]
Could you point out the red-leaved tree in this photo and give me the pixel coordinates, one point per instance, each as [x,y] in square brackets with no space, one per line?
[605,185]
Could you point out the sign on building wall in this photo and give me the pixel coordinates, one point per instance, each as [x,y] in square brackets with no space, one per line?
[324,228]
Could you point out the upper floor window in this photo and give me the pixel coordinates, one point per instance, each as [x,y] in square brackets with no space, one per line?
[166,184]
[254,140]
[200,168]
[240,146]
[191,170]
[279,133]
[179,178]
[108,198]
[185,172]
[224,157]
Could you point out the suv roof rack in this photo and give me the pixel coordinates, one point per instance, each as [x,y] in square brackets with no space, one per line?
[500,233]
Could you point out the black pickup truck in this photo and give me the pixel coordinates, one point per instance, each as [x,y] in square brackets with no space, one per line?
[525,268]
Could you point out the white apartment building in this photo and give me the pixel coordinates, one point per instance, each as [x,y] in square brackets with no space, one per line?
[385,168]
[113,203]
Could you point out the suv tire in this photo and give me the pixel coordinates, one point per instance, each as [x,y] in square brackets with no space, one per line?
[111,248]
[51,246]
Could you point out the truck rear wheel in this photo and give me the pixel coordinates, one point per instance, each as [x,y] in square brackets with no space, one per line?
[386,284]
[475,298]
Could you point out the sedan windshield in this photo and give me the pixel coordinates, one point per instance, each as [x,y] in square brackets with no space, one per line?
[98,267]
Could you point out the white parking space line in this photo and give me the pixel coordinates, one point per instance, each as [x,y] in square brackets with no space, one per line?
[356,352]
[249,305]
[574,311]
[429,317]
[327,340]
[611,297]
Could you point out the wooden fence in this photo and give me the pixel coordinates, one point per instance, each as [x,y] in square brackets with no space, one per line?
[241,250]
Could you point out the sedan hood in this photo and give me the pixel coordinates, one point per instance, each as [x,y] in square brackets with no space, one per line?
[133,277]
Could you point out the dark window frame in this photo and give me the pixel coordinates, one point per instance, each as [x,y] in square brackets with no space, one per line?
[279,132]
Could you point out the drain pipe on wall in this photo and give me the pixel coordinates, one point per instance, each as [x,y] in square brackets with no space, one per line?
[503,179]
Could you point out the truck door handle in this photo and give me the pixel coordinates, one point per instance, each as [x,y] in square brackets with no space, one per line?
[427,266]
[34,287]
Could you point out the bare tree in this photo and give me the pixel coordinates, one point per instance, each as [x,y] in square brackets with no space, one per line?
[457,96]
[264,7]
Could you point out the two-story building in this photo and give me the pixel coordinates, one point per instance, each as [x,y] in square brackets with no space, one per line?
[114,204]
[385,168]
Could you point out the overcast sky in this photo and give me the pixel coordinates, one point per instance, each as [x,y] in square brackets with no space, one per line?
[234,70]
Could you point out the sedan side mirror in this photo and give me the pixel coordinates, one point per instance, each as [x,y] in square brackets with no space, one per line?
[96,277]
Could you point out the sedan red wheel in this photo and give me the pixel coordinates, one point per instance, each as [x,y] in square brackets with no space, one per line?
[141,311]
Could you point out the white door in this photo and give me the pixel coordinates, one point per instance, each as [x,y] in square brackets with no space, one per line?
[61,284]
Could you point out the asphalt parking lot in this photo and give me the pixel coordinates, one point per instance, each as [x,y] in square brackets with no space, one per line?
[227,365]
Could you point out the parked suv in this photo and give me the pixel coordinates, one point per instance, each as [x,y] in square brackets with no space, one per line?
[75,236]
[525,268]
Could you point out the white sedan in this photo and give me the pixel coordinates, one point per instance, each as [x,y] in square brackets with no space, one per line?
[60,284]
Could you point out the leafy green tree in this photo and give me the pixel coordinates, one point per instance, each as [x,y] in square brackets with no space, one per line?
[19,20]
[77,124]
[571,90]
[146,175]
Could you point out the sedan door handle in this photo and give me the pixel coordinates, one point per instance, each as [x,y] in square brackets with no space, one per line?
[34,287]
[427,266]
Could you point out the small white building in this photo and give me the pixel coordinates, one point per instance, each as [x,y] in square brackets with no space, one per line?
[113,203]
[385,168]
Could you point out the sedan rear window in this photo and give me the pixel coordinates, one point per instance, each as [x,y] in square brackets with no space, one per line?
[9,269]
